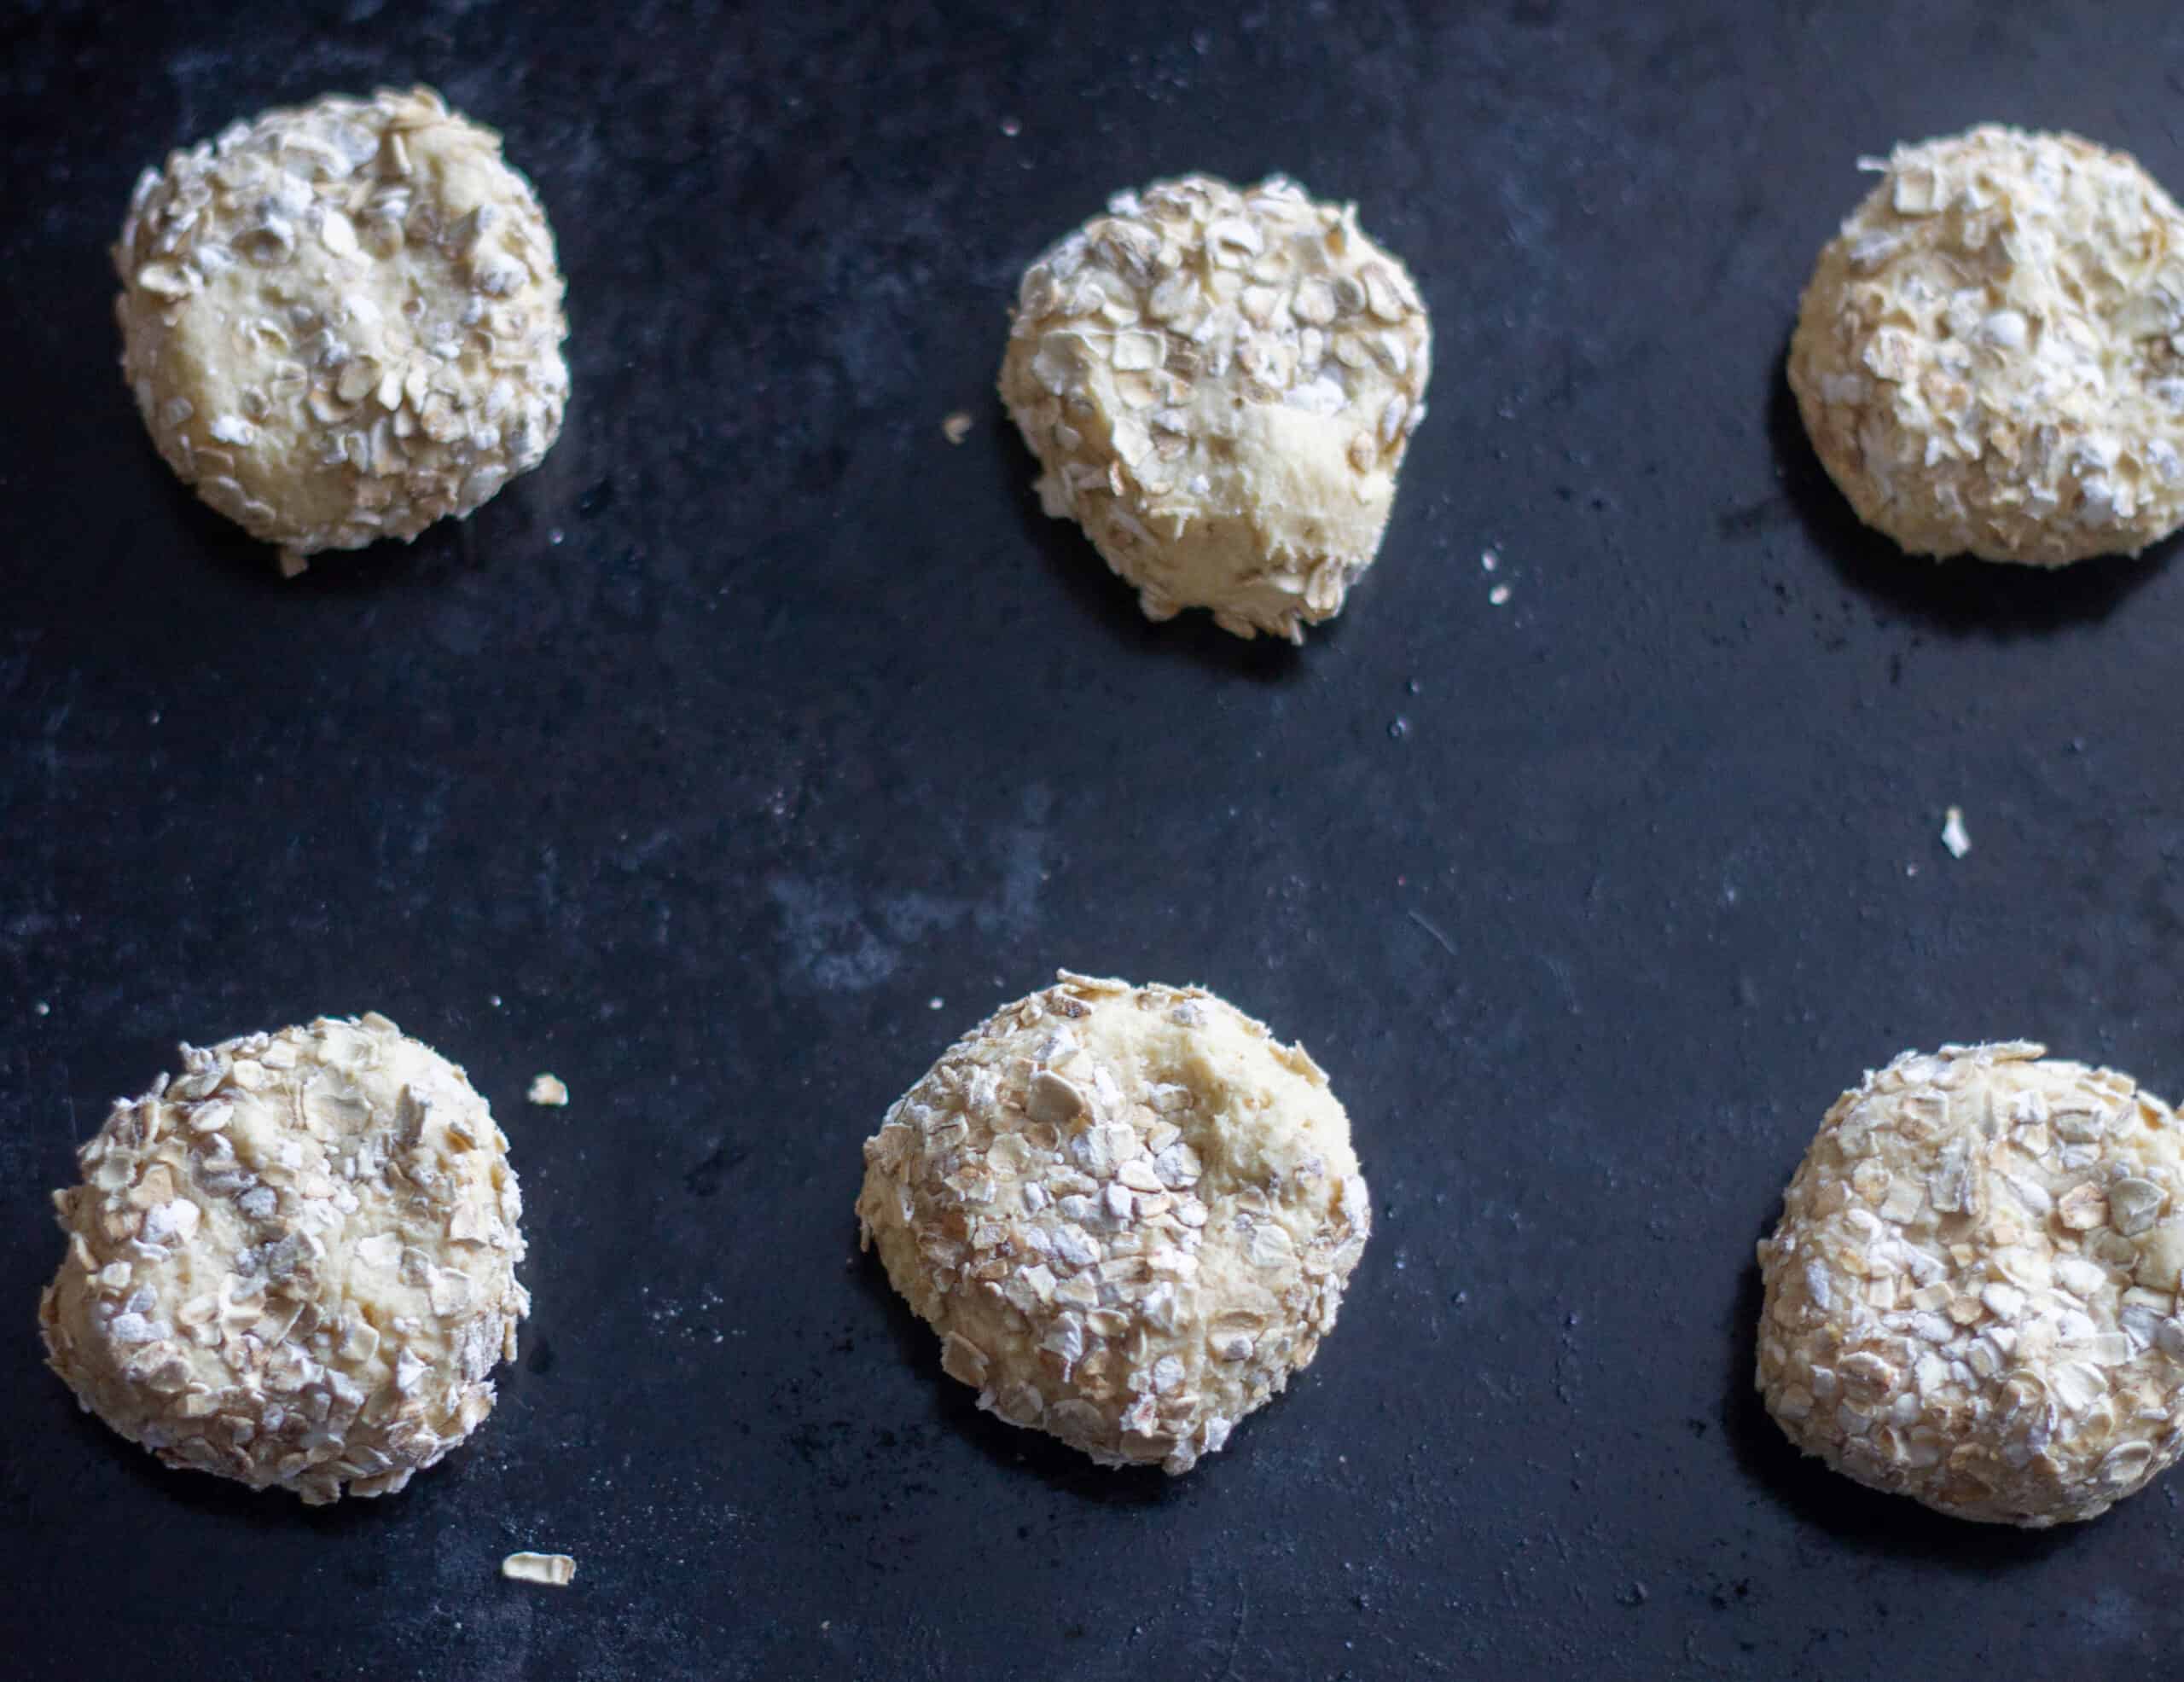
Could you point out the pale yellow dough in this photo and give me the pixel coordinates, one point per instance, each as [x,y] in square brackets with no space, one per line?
[292,1265]
[1972,1296]
[1989,357]
[343,321]
[1128,1212]
[1220,386]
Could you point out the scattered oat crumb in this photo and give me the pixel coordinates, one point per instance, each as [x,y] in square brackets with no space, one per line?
[547,1089]
[41,1008]
[558,1570]
[1498,594]
[1489,559]
[932,1004]
[493,1000]
[957,428]
[1953,833]
[1011,127]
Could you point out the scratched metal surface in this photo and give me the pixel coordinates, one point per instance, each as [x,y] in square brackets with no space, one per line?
[760,742]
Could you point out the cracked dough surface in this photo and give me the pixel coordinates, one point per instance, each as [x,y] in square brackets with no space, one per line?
[294,1264]
[1971,1297]
[1990,357]
[1128,1212]
[343,321]
[1220,386]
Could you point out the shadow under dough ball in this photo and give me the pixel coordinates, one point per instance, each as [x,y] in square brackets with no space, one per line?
[1972,1298]
[1130,1213]
[1988,356]
[294,1264]
[1220,386]
[343,321]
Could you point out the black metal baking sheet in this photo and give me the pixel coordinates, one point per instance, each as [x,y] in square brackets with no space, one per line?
[761,741]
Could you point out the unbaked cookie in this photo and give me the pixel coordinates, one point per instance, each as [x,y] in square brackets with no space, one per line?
[1128,1212]
[1988,357]
[1972,1298]
[294,1264]
[1220,387]
[343,321]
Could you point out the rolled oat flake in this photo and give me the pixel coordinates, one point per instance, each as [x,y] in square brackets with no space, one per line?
[1220,385]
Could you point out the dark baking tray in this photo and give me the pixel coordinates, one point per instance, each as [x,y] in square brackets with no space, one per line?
[760,742]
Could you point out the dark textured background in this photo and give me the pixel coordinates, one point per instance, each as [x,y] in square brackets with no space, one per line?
[734,760]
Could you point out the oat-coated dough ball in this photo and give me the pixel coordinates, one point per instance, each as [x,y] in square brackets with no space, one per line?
[1988,356]
[1220,387]
[1130,1213]
[295,1264]
[343,321]
[1972,1298]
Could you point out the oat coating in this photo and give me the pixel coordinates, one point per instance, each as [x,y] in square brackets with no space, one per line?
[1971,1297]
[292,1265]
[1128,1212]
[343,321]
[1220,386]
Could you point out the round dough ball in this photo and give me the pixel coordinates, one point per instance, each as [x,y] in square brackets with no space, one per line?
[1986,357]
[343,321]
[1128,1212]
[1220,387]
[1972,1298]
[295,1263]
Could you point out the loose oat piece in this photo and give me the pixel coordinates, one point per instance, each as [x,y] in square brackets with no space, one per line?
[294,1264]
[955,427]
[557,1570]
[1220,386]
[549,1090]
[1972,1298]
[343,321]
[1128,1212]
[1988,357]
[1954,836]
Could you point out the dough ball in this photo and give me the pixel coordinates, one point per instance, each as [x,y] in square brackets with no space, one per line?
[295,1263]
[1987,358]
[1220,387]
[343,321]
[1971,1299]
[1128,1212]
